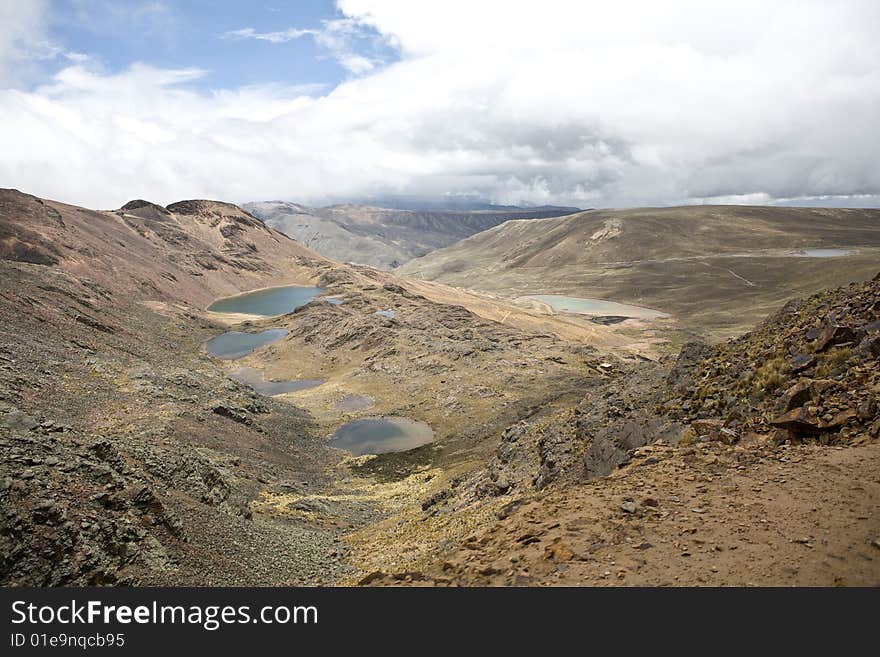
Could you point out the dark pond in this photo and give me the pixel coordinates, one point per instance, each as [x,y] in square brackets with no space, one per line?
[255,378]
[234,344]
[379,435]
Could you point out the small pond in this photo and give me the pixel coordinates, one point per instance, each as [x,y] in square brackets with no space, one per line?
[253,377]
[234,344]
[334,300]
[379,435]
[385,313]
[600,307]
[823,253]
[267,303]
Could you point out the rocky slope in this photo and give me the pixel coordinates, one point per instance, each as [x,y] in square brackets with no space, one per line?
[562,452]
[383,237]
[718,467]
[717,269]
[128,456]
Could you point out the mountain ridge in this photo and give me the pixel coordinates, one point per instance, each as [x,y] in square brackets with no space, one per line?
[718,268]
[379,236]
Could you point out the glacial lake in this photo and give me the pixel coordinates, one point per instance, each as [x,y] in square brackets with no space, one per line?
[380,435]
[234,344]
[267,303]
[582,306]
[256,379]
[823,253]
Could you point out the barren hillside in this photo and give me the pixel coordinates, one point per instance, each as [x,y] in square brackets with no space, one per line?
[384,237]
[718,269]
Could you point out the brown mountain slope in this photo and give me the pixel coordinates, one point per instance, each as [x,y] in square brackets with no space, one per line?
[717,269]
[193,250]
[751,462]
[128,456]
[384,237]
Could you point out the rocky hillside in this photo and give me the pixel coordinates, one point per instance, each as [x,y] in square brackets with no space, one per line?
[192,251]
[384,237]
[561,453]
[127,456]
[717,269]
[665,469]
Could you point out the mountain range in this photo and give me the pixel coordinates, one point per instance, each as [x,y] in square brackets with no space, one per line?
[566,448]
[385,237]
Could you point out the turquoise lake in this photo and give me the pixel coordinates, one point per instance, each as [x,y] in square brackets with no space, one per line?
[267,303]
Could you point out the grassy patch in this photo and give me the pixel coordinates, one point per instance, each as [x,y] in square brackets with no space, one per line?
[769,376]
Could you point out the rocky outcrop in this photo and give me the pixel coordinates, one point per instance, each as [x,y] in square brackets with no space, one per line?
[804,373]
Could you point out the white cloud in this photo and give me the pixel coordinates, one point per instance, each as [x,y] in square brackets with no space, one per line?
[591,103]
[341,37]
[272,37]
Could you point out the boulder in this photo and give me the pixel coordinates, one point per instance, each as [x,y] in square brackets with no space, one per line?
[870,346]
[797,395]
[798,421]
[832,334]
[801,362]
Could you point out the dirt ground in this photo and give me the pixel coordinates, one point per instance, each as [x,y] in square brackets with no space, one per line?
[714,515]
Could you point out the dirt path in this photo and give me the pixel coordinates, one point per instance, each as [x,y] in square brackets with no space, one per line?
[714,515]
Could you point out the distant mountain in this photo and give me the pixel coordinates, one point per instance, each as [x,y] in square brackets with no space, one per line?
[386,237]
[720,269]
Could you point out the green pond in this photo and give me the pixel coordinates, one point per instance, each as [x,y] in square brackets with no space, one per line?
[235,344]
[254,377]
[583,306]
[380,435]
[267,303]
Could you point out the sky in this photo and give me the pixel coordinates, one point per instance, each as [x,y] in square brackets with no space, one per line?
[592,104]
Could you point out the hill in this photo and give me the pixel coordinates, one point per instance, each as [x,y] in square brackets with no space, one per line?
[750,462]
[563,449]
[128,455]
[717,269]
[384,237]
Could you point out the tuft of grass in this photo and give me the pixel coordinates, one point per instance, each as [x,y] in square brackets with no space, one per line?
[769,376]
[688,436]
[832,361]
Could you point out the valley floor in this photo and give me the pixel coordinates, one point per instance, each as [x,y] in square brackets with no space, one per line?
[706,516]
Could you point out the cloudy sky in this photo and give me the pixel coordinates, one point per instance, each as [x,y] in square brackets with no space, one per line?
[595,104]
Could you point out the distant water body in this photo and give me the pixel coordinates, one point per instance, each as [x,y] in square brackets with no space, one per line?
[253,377]
[583,306]
[267,303]
[823,253]
[380,435]
[235,344]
